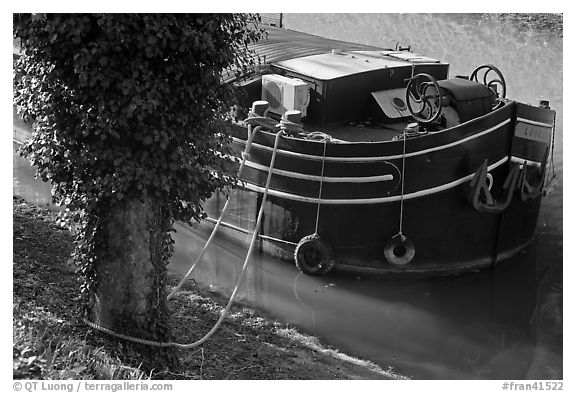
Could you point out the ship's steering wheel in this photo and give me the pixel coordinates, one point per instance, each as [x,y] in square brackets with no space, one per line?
[424,98]
[491,77]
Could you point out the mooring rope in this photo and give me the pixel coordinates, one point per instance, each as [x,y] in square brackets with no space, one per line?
[402,187]
[253,120]
[245,155]
[290,127]
[320,189]
[234,292]
[265,122]
[400,227]
[550,174]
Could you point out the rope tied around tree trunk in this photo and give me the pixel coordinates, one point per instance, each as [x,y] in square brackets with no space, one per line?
[237,286]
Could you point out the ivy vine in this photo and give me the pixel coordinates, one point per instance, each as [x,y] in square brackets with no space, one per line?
[129,106]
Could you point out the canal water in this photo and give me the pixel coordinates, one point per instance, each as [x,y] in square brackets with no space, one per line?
[504,323]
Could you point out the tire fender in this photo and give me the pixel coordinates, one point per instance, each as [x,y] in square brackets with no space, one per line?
[314,255]
[399,250]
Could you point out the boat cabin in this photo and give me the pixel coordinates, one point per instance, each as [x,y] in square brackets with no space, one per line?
[361,95]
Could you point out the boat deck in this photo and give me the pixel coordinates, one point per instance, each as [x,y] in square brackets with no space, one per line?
[364,133]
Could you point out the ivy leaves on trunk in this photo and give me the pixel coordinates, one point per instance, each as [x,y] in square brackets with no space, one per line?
[128,109]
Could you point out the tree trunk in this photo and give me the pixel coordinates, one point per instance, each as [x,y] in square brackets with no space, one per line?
[130,295]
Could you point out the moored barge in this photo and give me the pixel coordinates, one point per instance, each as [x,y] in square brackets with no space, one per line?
[380,162]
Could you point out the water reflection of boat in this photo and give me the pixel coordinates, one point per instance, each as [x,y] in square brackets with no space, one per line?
[384,163]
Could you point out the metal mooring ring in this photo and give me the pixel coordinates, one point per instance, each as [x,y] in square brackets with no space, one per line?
[399,250]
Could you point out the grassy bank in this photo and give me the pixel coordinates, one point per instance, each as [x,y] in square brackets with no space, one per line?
[51,342]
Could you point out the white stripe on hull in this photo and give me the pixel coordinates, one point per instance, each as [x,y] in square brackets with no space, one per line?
[325,179]
[525,161]
[379,158]
[534,123]
[368,201]
[349,179]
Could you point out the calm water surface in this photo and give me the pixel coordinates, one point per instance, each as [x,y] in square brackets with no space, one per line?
[497,324]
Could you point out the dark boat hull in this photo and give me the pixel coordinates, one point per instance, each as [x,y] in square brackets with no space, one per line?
[363,203]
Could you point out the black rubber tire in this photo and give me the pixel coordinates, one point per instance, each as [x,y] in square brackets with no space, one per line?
[399,250]
[314,256]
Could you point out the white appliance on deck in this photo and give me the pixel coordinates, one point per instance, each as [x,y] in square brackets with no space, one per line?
[284,94]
